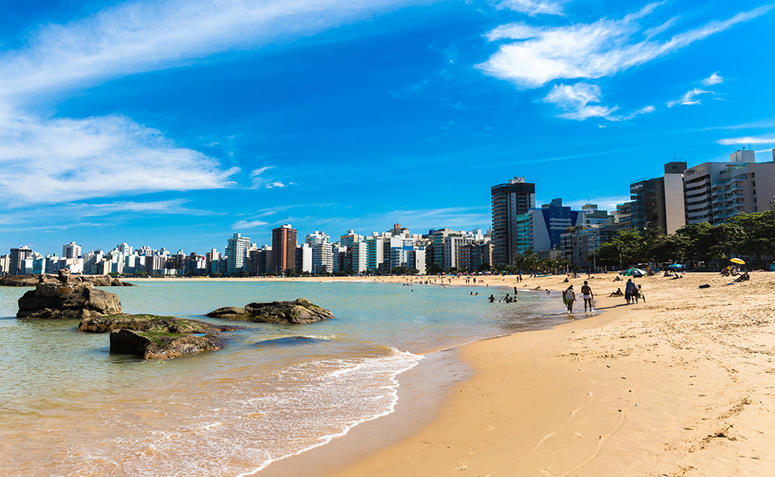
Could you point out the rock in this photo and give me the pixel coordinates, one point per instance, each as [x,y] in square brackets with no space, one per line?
[149,323]
[228,313]
[55,300]
[159,345]
[34,280]
[296,312]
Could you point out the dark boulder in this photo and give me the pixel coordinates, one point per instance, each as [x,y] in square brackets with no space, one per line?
[160,345]
[55,300]
[296,312]
[149,323]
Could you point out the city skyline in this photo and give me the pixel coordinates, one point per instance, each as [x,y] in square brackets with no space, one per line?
[177,125]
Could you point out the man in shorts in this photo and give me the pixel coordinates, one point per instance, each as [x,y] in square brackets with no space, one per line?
[587,294]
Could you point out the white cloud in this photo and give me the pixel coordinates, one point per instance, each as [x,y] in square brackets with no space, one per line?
[533,7]
[573,101]
[689,98]
[142,36]
[747,140]
[60,160]
[544,54]
[258,181]
[259,171]
[245,224]
[652,32]
[713,79]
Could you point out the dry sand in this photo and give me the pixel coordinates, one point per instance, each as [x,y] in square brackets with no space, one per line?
[680,385]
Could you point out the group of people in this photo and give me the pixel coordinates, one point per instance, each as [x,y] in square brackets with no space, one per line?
[569,297]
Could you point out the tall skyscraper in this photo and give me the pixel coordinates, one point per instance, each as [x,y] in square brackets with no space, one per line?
[509,201]
[237,254]
[284,248]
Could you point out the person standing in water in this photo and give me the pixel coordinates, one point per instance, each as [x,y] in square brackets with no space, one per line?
[586,293]
[569,296]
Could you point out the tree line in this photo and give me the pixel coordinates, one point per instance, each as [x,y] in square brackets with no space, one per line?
[702,245]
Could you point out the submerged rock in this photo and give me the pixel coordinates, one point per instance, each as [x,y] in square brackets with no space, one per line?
[296,312]
[150,323]
[161,345]
[56,300]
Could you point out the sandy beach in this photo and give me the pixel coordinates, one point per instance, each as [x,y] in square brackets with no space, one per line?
[679,385]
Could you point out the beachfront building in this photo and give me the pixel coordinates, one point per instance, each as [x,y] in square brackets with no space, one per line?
[350,238]
[698,185]
[315,238]
[71,250]
[303,258]
[452,246]
[509,201]
[437,238]
[359,256]
[623,215]
[283,249]
[322,259]
[236,254]
[743,188]
[594,216]
[16,260]
[659,202]
[540,230]
[374,251]
[579,246]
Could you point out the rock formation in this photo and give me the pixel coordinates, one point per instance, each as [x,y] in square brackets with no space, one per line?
[149,323]
[296,312]
[56,300]
[156,337]
[34,280]
[159,345]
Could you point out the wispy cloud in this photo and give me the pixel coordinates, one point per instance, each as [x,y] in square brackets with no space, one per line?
[141,36]
[689,98]
[248,224]
[770,139]
[48,160]
[574,101]
[170,207]
[534,7]
[712,80]
[539,55]
[259,181]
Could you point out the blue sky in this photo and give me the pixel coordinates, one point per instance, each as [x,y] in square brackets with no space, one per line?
[175,124]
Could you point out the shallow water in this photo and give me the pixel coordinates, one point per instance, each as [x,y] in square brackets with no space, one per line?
[69,407]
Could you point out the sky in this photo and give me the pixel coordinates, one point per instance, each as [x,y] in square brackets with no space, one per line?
[178,123]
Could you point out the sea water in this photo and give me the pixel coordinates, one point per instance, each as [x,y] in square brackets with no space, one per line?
[70,407]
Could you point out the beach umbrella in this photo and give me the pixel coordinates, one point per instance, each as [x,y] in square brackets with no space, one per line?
[675,265]
[738,261]
[634,272]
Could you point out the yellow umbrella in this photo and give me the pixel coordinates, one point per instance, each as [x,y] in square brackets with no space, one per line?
[737,261]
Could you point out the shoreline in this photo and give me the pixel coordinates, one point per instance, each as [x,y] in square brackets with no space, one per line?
[683,384]
[680,385]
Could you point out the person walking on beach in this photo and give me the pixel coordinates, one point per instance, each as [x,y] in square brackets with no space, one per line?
[569,296]
[586,293]
[629,290]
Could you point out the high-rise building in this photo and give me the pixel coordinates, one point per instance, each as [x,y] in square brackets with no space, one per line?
[541,229]
[509,201]
[659,202]
[16,260]
[698,185]
[284,248]
[315,238]
[237,254]
[743,188]
[322,259]
[71,250]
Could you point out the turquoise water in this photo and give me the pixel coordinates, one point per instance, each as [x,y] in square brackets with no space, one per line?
[69,407]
